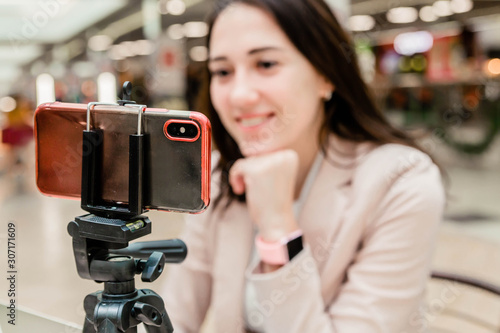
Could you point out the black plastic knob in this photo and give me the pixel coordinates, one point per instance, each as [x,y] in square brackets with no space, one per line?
[153,267]
[148,314]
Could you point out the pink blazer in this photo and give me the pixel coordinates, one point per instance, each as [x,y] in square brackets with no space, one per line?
[370,224]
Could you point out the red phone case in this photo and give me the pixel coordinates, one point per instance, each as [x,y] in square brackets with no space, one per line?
[177,170]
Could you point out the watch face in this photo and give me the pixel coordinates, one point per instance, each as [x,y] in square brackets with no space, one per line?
[294,246]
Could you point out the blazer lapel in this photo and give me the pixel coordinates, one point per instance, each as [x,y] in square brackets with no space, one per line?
[323,211]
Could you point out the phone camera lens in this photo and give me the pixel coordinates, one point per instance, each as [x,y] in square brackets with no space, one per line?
[183,131]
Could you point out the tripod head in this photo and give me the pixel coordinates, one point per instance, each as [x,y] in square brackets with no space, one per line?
[99,242]
[101,238]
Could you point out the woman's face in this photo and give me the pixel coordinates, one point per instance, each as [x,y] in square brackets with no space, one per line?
[266,93]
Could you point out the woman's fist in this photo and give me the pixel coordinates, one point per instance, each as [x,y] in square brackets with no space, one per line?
[269,184]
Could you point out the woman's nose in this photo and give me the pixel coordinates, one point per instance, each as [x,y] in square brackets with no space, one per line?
[243,93]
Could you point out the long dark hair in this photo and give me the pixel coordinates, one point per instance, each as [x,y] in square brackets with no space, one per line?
[351,112]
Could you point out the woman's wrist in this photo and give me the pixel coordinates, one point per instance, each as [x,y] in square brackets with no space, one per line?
[274,231]
[277,253]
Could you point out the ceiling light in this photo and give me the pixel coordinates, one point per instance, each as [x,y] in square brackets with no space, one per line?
[106,88]
[442,8]
[361,23]
[195,29]
[199,53]
[128,48]
[114,53]
[144,47]
[162,7]
[402,15]
[176,31]
[45,89]
[7,104]
[151,18]
[461,6]
[494,66]
[100,43]
[176,7]
[413,42]
[119,52]
[427,14]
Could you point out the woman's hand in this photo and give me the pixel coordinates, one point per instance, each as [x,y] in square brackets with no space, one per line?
[269,183]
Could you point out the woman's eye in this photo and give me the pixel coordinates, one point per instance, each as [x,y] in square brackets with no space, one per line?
[267,64]
[219,73]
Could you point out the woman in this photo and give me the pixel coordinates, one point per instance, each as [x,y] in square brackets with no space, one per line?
[324,215]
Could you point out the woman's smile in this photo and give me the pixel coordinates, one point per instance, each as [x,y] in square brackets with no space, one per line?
[254,122]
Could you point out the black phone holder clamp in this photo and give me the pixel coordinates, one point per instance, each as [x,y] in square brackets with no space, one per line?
[101,245]
[127,92]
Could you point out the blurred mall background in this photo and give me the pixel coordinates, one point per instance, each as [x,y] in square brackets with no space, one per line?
[434,66]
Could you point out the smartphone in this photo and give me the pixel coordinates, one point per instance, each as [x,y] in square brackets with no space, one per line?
[177,154]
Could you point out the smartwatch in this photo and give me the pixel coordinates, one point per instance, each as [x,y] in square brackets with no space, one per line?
[282,251]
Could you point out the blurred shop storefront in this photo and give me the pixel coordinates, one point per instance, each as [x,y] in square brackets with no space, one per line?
[435,70]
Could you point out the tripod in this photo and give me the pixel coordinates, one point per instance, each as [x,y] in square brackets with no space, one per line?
[101,239]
